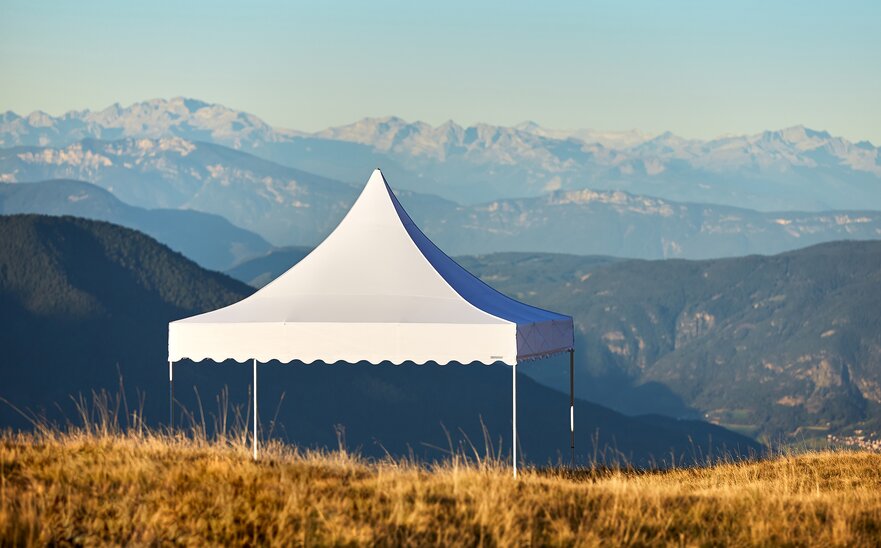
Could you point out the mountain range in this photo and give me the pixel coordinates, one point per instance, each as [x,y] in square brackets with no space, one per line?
[794,168]
[782,347]
[300,212]
[85,303]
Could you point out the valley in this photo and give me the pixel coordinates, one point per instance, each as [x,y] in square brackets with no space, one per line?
[88,305]
[729,280]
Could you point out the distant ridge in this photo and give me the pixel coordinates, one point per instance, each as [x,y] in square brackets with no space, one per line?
[208,239]
[290,207]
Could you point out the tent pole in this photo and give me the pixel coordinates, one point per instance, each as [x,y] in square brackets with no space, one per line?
[572,404]
[170,395]
[514,417]
[255,409]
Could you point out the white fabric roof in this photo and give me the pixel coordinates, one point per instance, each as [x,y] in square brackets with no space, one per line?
[377,290]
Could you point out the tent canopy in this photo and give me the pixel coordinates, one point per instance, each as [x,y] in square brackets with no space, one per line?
[377,289]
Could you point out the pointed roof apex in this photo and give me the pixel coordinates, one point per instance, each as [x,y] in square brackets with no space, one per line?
[376,177]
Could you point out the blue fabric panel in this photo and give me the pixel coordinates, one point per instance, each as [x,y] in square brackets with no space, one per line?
[470,287]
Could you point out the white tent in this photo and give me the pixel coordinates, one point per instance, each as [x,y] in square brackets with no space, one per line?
[376,289]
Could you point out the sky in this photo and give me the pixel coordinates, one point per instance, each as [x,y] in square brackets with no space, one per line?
[697,68]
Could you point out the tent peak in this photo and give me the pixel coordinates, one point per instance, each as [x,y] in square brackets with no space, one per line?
[377,179]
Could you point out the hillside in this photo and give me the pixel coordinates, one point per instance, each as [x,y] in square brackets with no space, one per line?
[208,239]
[83,302]
[88,301]
[791,168]
[82,489]
[781,346]
[785,347]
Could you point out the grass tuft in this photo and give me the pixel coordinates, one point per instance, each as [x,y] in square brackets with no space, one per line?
[84,487]
[108,480]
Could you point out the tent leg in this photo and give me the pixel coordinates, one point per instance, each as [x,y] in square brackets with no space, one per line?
[255,409]
[170,395]
[514,417]
[572,404]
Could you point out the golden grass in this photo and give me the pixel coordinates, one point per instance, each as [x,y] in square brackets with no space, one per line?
[85,487]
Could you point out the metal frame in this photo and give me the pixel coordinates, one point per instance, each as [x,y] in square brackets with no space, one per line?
[572,404]
[571,412]
[170,396]
[513,408]
[255,410]
[514,417]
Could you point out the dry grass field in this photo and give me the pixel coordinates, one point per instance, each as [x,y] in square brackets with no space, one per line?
[88,486]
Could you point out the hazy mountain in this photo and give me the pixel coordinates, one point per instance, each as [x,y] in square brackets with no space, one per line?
[786,347]
[190,119]
[83,300]
[208,239]
[175,173]
[794,168]
[290,207]
[194,120]
[626,225]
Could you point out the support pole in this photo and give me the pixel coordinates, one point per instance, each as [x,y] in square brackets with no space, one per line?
[255,409]
[170,396]
[572,404]
[514,417]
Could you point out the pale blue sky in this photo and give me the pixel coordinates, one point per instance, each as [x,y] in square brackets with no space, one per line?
[697,68]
